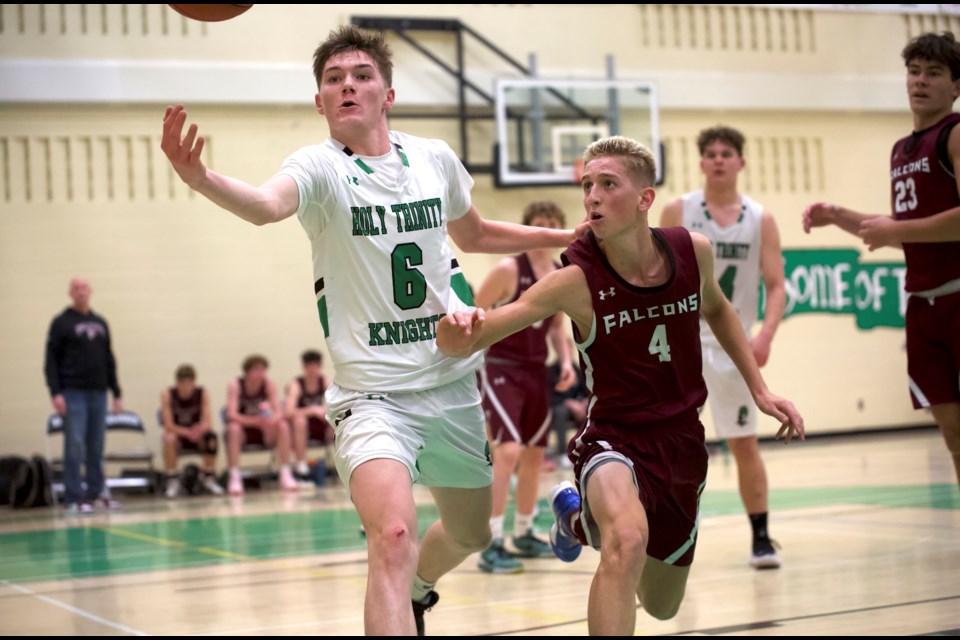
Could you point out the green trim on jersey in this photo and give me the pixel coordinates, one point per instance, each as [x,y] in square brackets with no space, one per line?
[363,165]
[322,310]
[458,282]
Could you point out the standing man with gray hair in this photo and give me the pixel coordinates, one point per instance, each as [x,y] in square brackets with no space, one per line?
[79,367]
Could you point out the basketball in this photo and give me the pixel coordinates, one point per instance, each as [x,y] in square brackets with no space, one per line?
[210,12]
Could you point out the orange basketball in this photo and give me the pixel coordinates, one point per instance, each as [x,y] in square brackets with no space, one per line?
[210,12]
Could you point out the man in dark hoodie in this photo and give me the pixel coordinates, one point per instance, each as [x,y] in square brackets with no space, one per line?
[79,368]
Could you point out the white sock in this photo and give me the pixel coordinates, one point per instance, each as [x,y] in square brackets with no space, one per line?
[421,588]
[496,528]
[234,471]
[303,468]
[285,469]
[522,523]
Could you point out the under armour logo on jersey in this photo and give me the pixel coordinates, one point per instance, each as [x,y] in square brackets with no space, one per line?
[607,294]
[352,180]
[500,380]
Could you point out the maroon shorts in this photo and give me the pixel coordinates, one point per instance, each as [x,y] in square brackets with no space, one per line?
[516,401]
[319,430]
[933,349]
[669,466]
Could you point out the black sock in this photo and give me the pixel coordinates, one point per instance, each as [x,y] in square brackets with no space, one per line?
[759,523]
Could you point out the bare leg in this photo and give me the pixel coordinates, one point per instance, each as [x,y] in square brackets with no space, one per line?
[300,438]
[282,430]
[948,419]
[505,457]
[662,588]
[613,500]
[381,491]
[169,452]
[528,481]
[751,472]
[463,528]
[210,462]
[234,443]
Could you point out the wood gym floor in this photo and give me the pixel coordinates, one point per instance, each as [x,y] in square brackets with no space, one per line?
[870,529]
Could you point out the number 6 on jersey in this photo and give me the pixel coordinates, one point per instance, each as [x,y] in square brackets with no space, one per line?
[658,343]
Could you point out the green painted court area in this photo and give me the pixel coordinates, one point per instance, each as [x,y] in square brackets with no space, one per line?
[153,546]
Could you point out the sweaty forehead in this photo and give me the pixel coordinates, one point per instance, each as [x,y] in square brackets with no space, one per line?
[348,59]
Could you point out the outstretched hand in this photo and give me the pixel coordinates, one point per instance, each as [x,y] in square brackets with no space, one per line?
[458,332]
[791,422]
[183,151]
[818,214]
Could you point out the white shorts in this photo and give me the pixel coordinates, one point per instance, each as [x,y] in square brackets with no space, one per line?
[731,405]
[439,434]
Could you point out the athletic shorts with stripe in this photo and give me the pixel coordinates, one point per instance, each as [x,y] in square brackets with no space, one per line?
[669,467]
[516,401]
[933,349]
[438,433]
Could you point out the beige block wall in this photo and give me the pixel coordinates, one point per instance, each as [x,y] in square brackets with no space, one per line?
[84,190]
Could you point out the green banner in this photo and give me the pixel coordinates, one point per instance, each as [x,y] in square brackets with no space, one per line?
[835,281]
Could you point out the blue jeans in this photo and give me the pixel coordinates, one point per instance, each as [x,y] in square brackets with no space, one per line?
[83,437]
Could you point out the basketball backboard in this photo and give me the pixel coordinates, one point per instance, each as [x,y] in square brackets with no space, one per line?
[544,125]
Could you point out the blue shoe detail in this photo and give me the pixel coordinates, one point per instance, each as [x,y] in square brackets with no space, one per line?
[565,502]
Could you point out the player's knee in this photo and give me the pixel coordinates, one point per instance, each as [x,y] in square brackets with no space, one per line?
[507,454]
[662,610]
[624,548]
[475,539]
[392,543]
[208,444]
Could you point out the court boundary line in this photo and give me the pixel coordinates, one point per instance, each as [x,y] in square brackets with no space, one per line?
[762,624]
[814,616]
[74,610]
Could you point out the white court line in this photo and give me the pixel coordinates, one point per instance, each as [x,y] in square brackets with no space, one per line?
[74,610]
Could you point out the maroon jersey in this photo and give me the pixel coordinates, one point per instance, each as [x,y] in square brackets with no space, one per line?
[923,184]
[308,399]
[249,405]
[642,358]
[528,346]
[186,413]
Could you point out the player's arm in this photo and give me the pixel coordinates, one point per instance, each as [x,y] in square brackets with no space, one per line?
[473,234]
[462,333]
[205,423]
[557,334]
[720,315]
[672,214]
[824,214]
[273,398]
[233,407]
[166,415]
[771,269]
[291,409]
[941,227]
[499,286]
[276,199]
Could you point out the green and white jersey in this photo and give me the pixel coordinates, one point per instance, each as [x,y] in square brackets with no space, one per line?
[384,271]
[736,256]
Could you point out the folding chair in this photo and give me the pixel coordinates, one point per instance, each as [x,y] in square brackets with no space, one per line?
[127,422]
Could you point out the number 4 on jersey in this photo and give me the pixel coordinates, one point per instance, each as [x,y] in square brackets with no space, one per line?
[658,343]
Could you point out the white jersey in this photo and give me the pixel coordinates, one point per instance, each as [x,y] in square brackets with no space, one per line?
[736,256]
[384,271]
